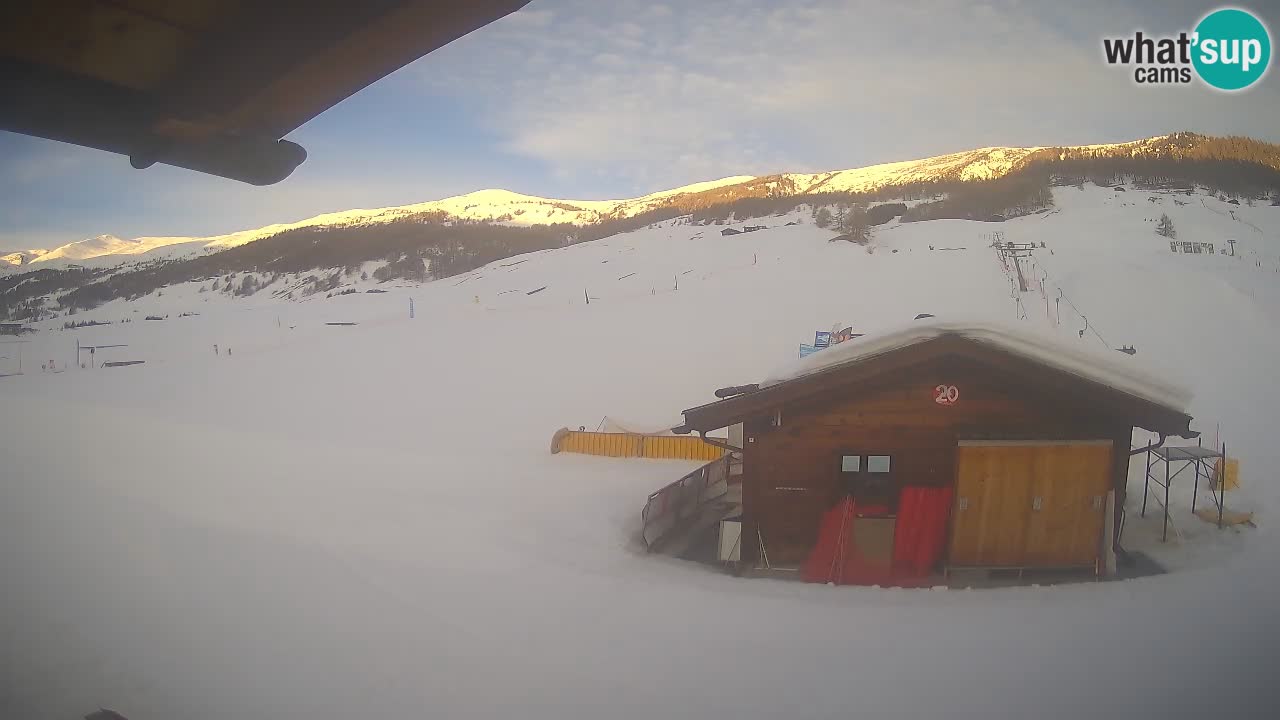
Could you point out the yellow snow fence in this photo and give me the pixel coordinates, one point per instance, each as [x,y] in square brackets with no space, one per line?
[669,447]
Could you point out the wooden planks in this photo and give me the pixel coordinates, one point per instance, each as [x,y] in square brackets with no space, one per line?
[900,417]
[1029,505]
[1072,483]
[991,506]
[1047,387]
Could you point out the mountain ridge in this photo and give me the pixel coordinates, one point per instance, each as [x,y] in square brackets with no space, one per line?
[497,205]
[502,205]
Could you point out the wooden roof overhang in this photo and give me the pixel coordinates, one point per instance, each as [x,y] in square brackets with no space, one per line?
[208,85]
[1076,393]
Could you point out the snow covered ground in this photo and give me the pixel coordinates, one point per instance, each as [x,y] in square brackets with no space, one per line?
[364,521]
[512,208]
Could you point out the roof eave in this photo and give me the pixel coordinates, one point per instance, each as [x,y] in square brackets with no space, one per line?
[1142,412]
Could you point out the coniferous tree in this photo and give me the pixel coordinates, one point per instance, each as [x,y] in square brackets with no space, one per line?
[855,226]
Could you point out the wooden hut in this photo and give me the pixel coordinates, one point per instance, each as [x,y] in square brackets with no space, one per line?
[937,447]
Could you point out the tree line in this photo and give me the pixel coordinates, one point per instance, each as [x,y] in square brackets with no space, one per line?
[424,246]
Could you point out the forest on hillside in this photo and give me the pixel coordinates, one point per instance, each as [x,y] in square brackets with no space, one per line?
[447,247]
[432,245]
[22,294]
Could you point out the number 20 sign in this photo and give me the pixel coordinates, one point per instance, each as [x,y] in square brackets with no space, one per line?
[946,394]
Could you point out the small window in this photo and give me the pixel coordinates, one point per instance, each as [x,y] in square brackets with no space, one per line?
[877,463]
[851,463]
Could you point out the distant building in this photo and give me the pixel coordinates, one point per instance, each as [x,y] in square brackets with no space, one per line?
[730,231]
[752,228]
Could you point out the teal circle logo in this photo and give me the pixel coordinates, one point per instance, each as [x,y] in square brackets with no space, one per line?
[1232,49]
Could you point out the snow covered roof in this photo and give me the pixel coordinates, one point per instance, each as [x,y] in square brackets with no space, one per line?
[1136,390]
[1116,370]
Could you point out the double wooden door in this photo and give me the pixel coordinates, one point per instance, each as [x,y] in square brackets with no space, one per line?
[1030,504]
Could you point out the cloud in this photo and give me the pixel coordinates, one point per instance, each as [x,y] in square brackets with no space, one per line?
[653,96]
[530,18]
[578,98]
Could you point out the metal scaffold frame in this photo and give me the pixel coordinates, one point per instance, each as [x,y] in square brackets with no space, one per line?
[1198,457]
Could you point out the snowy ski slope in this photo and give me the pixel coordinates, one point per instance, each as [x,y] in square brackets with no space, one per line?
[498,205]
[364,521]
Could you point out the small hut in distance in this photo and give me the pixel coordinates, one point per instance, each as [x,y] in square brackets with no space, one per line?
[938,447]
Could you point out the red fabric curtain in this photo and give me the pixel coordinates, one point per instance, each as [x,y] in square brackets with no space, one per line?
[835,558]
[919,538]
[921,531]
[826,560]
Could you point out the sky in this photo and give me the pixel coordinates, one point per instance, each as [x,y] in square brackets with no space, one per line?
[591,100]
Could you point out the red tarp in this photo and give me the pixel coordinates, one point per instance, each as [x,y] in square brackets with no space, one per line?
[921,532]
[918,541]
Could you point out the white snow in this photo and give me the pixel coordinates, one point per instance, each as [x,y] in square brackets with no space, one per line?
[614,425]
[12,260]
[981,164]
[366,522]
[513,208]
[1122,372]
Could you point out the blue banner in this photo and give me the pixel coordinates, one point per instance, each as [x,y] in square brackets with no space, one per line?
[807,350]
[821,339]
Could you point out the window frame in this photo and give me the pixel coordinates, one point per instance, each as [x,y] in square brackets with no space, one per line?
[858,469]
[888,467]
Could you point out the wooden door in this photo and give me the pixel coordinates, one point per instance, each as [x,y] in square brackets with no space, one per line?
[991,507]
[1029,504]
[1071,484]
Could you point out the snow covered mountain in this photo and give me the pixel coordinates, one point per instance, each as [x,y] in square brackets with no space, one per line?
[378,499]
[982,164]
[505,206]
[94,247]
[18,258]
